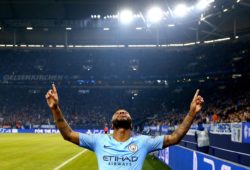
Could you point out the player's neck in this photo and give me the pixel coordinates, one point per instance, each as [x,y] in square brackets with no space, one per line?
[121,134]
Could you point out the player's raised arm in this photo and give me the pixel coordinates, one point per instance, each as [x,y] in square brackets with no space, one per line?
[53,103]
[181,131]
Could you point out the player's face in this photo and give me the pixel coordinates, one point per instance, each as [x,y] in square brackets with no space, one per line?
[121,119]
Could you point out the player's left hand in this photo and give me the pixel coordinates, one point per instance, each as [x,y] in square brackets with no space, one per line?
[196,104]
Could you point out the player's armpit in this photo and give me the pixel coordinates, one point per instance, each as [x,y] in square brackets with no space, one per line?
[74,137]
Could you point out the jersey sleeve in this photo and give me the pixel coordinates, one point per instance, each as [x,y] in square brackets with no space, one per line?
[154,143]
[87,141]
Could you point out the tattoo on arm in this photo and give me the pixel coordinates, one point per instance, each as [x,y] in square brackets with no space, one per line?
[60,120]
[62,124]
[180,132]
[65,131]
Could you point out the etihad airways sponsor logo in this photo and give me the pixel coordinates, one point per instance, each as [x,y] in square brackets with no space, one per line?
[120,158]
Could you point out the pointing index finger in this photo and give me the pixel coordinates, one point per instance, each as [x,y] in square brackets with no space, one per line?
[54,87]
[196,94]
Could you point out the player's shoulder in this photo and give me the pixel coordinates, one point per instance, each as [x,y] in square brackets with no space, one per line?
[142,137]
[148,138]
[103,137]
[94,135]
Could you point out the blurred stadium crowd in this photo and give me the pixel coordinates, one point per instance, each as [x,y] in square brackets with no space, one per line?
[224,109]
[23,110]
[154,85]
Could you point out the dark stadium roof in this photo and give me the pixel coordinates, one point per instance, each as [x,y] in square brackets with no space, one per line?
[49,18]
[81,9]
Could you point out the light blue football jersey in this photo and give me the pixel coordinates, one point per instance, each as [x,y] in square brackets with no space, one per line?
[114,155]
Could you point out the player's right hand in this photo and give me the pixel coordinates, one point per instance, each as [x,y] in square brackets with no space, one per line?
[52,97]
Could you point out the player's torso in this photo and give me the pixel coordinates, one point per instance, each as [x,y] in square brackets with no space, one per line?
[112,154]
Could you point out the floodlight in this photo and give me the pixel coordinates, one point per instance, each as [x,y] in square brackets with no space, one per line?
[29,28]
[155,14]
[203,4]
[181,10]
[126,16]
